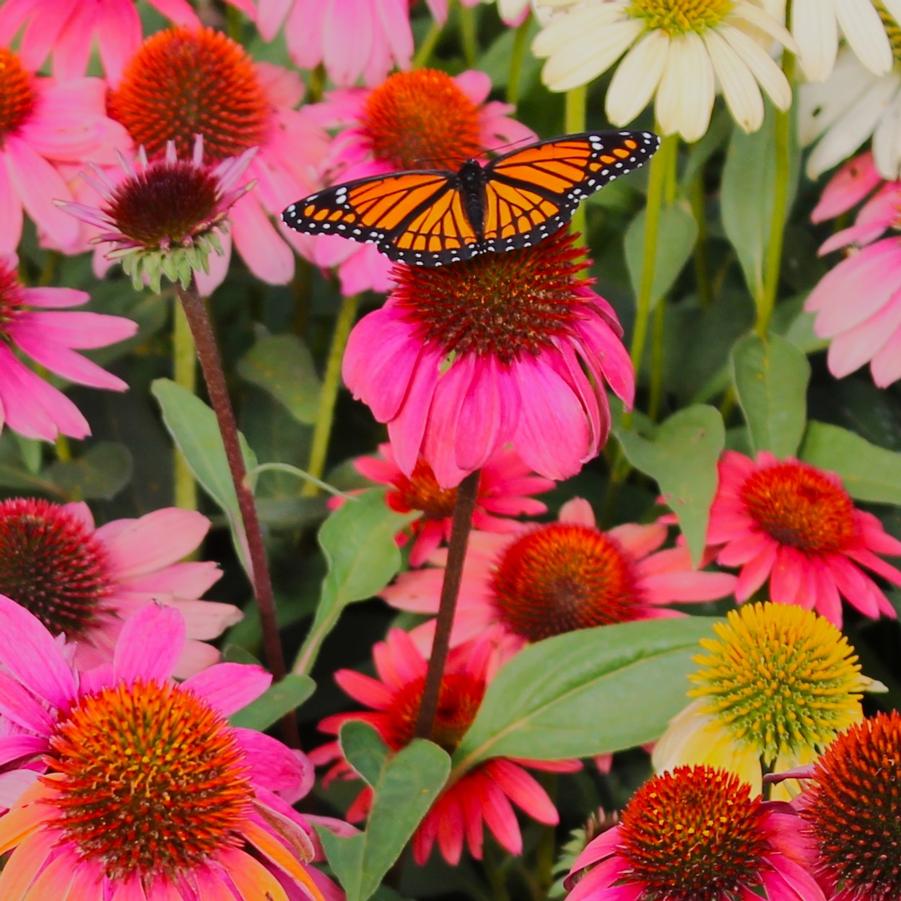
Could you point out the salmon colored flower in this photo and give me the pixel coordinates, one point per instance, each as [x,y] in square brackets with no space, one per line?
[112,812]
[795,525]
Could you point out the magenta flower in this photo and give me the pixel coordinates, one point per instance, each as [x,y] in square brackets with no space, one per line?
[795,525]
[478,798]
[112,811]
[858,303]
[414,120]
[33,322]
[84,581]
[548,579]
[507,349]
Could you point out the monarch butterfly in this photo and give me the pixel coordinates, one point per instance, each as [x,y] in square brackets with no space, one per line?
[429,217]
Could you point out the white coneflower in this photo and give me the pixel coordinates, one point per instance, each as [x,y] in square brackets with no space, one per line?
[682,51]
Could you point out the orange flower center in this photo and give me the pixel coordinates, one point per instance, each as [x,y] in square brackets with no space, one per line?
[52,565]
[422,120]
[854,812]
[11,300]
[422,492]
[800,506]
[562,577]
[185,82]
[694,834]
[16,93]
[153,781]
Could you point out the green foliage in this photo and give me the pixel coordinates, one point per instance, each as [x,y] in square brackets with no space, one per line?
[279,699]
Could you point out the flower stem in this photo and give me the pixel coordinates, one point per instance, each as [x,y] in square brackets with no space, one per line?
[702,269]
[427,47]
[328,394]
[184,370]
[575,120]
[520,36]
[461,526]
[468,33]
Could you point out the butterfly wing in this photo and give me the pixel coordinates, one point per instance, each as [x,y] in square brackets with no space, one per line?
[532,192]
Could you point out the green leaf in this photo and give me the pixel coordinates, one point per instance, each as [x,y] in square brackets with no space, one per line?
[192,425]
[681,457]
[592,691]
[282,366]
[404,787]
[870,473]
[770,378]
[362,556]
[676,240]
[280,698]
[100,473]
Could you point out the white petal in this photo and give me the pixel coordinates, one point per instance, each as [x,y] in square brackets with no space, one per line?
[636,78]
[770,76]
[816,31]
[819,105]
[894,8]
[685,99]
[573,27]
[887,142]
[865,33]
[739,87]
[764,22]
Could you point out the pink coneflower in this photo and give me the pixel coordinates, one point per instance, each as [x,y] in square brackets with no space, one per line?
[473,800]
[549,579]
[505,484]
[114,812]
[43,123]
[858,303]
[83,581]
[696,834]
[187,82]
[795,525]
[33,323]
[414,120]
[507,349]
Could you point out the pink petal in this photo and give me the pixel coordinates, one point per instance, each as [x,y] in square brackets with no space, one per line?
[259,244]
[22,708]
[577,512]
[524,791]
[149,645]
[11,215]
[755,573]
[272,765]
[364,689]
[229,687]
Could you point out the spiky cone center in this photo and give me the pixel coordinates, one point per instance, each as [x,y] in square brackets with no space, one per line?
[11,299]
[853,809]
[421,491]
[693,834]
[16,94]
[148,780]
[562,577]
[421,120]
[501,305]
[780,678]
[183,82]
[678,17]
[52,565]
[892,29]
[800,506]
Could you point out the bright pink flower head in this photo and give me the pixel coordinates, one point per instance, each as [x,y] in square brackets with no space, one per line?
[858,303]
[505,486]
[84,581]
[795,525]
[112,812]
[507,350]
[696,833]
[44,123]
[187,82]
[415,120]
[478,798]
[32,323]
[549,579]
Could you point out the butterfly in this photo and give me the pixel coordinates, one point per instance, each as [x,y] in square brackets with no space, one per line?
[430,217]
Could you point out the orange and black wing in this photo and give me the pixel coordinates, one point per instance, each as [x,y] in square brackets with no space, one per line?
[416,217]
[532,192]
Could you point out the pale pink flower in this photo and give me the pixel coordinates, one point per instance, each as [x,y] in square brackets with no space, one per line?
[509,350]
[83,581]
[34,323]
[552,578]
[414,120]
[858,303]
[111,811]
[795,525]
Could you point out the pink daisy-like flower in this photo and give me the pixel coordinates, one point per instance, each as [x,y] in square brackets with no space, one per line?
[187,82]
[478,798]
[553,578]
[697,833]
[795,525]
[44,123]
[858,303]
[113,812]
[34,322]
[505,484]
[507,350]
[414,120]
[84,581]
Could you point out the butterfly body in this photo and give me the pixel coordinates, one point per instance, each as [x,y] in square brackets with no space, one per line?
[431,217]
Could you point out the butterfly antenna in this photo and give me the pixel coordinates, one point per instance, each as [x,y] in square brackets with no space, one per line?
[425,161]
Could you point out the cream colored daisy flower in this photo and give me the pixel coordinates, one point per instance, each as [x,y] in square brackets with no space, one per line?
[678,51]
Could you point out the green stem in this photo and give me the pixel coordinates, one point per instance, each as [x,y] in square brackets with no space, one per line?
[184,370]
[655,394]
[251,477]
[575,118]
[331,382]
[699,211]
[427,47]
[315,84]
[468,33]
[520,37]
